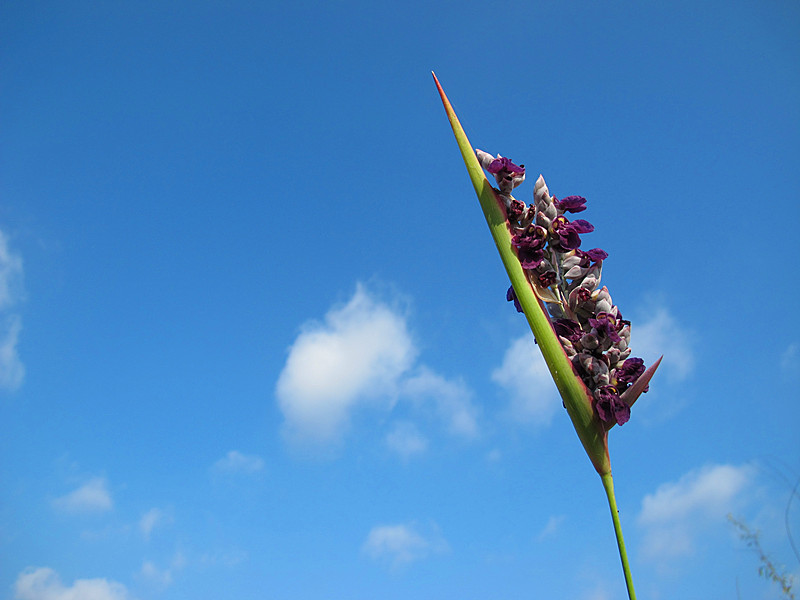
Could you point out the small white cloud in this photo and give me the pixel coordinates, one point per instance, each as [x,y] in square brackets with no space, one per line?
[155,517]
[44,584]
[451,400]
[236,462]
[356,355]
[402,544]
[526,379]
[93,496]
[162,577]
[12,371]
[406,440]
[677,512]
[660,334]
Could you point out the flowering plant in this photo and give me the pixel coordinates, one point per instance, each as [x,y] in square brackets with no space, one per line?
[582,335]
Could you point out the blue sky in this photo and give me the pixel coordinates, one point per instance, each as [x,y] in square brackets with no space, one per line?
[254,340]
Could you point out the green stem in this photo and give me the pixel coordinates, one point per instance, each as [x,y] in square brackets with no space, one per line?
[608,484]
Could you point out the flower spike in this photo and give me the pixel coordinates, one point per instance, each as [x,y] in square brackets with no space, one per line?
[581,333]
[576,396]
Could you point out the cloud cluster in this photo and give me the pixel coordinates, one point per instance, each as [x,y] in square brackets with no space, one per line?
[12,371]
[44,584]
[402,544]
[363,354]
[677,512]
[92,496]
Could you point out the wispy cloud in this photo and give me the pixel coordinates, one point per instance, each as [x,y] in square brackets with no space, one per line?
[658,333]
[790,359]
[44,583]
[162,577]
[451,400]
[533,397]
[236,462]
[155,517]
[677,512]
[12,371]
[551,527]
[402,544]
[92,496]
[363,354]
[406,440]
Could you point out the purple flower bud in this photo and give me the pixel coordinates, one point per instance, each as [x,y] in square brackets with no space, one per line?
[506,173]
[515,209]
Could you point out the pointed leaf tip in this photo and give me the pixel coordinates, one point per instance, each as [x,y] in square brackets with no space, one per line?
[630,395]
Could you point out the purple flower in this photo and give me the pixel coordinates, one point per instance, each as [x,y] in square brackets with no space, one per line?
[573,204]
[568,237]
[609,407]
[530,258]
[511,295]
[530,247]
[606,325]
[597,254]
[547,278]
[582,226]
[567,328]
[515,208]
[630,371]
[504,164]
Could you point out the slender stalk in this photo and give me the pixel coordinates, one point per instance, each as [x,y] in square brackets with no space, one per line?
[608,484]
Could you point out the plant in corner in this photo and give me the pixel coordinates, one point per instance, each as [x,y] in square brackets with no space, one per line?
[580,332]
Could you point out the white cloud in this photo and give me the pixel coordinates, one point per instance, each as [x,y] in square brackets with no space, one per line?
[93,496]
[356,355]
[12,371]
[155,517]
[159,577]
[677,512]
[450,400]
[362,354]
[44,584]
[526,379]
[406,440]
[236,462]
[402,544]
[660,334]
